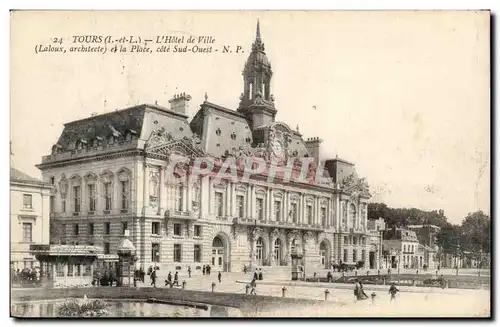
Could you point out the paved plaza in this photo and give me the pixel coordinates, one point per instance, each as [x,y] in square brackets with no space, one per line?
[410,301]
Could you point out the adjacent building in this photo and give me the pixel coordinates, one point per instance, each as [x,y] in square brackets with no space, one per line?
[29,217]
[112,175]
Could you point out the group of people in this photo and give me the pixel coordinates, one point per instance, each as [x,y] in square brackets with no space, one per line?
[27,275]
[360,294]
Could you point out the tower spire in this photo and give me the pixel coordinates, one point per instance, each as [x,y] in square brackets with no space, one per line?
[257,36]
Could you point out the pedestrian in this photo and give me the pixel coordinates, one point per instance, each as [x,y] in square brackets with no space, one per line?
[219,276]
[176,278]
[356,289]
[209,269]
[168,281]
[153,278]
[255,275]
[253,285]
[204,270]
[245,268]
[393,290]
[361,294]
[260,274]
[189,271]
[141,274]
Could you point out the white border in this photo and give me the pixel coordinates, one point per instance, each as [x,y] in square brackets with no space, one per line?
[185,5]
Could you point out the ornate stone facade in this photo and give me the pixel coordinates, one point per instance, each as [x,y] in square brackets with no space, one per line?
[194,220]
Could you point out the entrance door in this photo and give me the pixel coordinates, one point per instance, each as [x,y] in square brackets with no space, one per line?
[277,252]
[323,254]
[372,260]
[218,254]
[259,250]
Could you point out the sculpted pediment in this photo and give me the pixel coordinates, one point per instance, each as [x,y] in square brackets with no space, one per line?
[357,187]
[181,147]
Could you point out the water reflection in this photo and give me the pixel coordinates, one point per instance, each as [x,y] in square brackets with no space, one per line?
[125,309]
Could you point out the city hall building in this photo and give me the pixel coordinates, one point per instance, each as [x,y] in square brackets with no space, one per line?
[109,173]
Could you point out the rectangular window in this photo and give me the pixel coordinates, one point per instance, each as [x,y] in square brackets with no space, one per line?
[179,197]
[178,229]
[219,204]
[125,194]
[240,206]
[52,181]
[309,214]
[155,228]
[323,216]
[177,253]
[27,232]
[354,255]
[294,212]
[107,196]
[27,201]
[260,209]
[197,230]
[107,228]
[63,205]
[87,270]
[76,229]
[59,270]
[277,210]
[106,248]
[155,252]
[197,253]
[92,197]
[124,227]
[70,270]
[345,255]
[346,240]
[91,229]
[354,240]
[76,198]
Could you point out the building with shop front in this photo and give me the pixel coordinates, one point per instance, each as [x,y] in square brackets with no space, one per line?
[112,174]
[29,217]
[401,249]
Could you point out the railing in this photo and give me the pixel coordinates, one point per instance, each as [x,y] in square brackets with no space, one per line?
[279,224]
[180,214]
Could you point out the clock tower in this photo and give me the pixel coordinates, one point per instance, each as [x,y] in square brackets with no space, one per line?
[256,101]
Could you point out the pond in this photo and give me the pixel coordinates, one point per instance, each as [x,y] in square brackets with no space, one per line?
[120,308]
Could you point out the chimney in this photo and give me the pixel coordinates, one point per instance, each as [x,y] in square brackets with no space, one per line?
[180,102]
[313,147]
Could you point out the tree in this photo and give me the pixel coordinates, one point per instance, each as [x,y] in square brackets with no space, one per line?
[449,238]
[476,234]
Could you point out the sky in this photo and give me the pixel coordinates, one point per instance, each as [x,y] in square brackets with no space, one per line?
[403,95]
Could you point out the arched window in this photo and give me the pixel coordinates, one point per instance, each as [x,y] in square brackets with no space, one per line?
[217,242]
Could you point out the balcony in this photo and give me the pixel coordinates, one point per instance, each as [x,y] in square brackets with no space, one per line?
[276,224]
[177,214]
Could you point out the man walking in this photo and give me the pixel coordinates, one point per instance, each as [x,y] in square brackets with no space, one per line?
[219,276]
[153,278]
[189,271]
[393,290]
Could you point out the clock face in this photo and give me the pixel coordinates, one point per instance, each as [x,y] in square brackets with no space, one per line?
[277,149]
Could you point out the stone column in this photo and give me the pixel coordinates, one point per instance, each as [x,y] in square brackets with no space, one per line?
[189,193]
[302,211]
[254,203]
[161,204]
[271,205]
[210,196]
[248,202]
[233,199]
[145,190]
[338,213]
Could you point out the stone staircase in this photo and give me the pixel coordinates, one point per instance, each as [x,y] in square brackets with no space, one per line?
[277,273]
